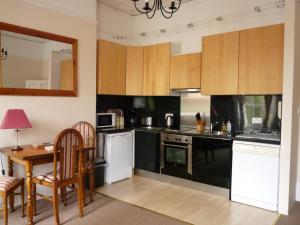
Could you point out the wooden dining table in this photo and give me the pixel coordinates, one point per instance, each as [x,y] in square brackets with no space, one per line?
[29,157]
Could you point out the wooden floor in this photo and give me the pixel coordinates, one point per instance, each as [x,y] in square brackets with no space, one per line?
[189,205]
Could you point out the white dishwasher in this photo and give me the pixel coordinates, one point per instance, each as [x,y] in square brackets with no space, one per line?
[255,174]
[118,155]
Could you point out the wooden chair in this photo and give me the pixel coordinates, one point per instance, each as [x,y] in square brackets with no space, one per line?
[7,187]
[68,155]
[89,139]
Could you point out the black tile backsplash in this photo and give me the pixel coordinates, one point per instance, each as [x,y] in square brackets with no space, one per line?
[242,111]
[145,106]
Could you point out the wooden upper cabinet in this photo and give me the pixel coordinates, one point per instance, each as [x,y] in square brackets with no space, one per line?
[261,60]
[156,70]
[185,71]
[134,71]
[111,68]
[220,57]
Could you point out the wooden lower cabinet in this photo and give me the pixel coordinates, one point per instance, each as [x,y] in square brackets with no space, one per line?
[156,80]
[261,60]
[111,68]
[220,57]
[185,71]
[134,70]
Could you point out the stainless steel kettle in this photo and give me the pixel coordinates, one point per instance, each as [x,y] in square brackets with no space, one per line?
[169,120]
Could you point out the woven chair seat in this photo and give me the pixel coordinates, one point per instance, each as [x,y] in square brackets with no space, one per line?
[7,182]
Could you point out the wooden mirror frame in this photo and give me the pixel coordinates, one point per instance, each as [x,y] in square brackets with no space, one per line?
[50,36]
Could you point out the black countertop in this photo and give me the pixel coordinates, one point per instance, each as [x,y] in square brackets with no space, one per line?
[258,140]
[113,130]
[190,132]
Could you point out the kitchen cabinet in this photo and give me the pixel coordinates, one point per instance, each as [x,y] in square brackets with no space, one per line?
[147,150]
[134,70]
[220,58]
[212,159]
[255,174]
[261,60]
[111,68]
[156,70]
[185,71]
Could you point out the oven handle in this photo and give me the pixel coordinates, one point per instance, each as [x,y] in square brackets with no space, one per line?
[178,146]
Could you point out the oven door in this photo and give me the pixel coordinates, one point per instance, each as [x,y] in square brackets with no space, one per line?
[175,159]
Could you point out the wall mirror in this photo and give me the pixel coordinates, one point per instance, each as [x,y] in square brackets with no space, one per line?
[36,62]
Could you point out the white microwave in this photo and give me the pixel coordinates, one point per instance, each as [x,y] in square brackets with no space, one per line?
[106,120]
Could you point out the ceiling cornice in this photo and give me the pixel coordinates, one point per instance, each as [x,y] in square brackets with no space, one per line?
[63,11]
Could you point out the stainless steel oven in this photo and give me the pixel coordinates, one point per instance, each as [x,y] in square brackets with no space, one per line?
[176,155]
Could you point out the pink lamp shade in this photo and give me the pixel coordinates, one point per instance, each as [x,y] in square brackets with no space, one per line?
[15,119]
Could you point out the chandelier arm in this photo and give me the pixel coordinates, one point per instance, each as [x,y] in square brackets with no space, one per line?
[138,8]
[166,14]
[158,5]
[146,11]
[154,6]
[149,16]
[173,10]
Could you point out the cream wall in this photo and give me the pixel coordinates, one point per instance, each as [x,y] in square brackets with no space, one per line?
[112,22]
[297,73]
[84,9]
[290,123]
[49,115]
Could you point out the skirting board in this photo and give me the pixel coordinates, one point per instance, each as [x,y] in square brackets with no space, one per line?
[298,192]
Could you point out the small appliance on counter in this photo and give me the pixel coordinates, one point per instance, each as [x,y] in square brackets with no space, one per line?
[119,116]
[147,121]
[133,117]
[105,120]
[169,117]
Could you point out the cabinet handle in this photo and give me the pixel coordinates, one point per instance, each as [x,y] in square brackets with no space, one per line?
[178,146]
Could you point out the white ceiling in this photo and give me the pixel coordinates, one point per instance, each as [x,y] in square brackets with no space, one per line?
[127,6]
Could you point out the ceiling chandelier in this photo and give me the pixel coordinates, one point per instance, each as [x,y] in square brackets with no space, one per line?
[150,9]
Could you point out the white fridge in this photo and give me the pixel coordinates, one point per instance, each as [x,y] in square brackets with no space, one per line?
[119,152]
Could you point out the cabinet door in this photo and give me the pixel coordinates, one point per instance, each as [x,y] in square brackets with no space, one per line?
[261,60]
[156,70]
[111,68]
[185,71]
[220,64]
[134,70]
[147,151]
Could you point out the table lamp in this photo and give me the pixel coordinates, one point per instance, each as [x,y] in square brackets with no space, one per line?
[15,119]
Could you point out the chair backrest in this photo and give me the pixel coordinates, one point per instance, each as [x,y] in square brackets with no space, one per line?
[87,132]
[68,146]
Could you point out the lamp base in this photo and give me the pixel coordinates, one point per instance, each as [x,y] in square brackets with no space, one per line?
[17,148]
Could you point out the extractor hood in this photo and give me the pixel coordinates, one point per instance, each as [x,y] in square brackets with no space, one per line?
[187,90]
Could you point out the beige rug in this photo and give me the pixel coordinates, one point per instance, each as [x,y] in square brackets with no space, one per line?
[103,211]
[293,218]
